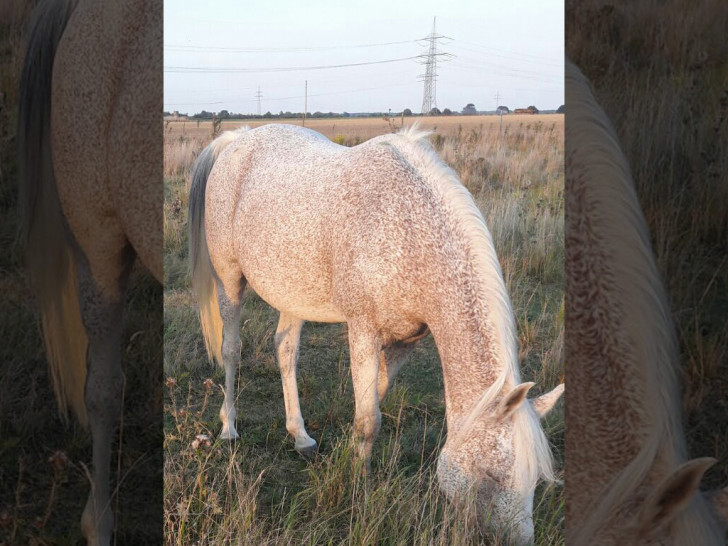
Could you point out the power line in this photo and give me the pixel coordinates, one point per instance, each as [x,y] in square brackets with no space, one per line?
[508,71]
[220,70]
[509,52]
[479,63]
[513,57]
[284,83]
[181,47]
[291,97]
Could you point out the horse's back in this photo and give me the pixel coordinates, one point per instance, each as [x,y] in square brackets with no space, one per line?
[317,229]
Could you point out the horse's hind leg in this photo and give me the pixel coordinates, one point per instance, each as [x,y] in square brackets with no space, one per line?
[391,359]
[101,304]
[364,347]
[229,303]
[288,335]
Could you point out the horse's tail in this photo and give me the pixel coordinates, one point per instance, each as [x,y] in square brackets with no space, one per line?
[48,256]
[203,275]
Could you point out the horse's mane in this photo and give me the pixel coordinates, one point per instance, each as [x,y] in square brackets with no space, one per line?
[532,451]
[643,303]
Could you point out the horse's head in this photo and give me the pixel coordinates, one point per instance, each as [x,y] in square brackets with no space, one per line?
[496,460]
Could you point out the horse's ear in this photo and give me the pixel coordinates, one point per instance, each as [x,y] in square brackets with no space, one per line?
[673,494]
[513,400]
[545,403]
[719,500]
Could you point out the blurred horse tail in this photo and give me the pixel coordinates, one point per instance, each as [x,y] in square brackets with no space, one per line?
[44,234]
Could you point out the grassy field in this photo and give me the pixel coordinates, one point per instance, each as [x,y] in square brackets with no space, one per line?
[662,78]
[258,490]
[354,130]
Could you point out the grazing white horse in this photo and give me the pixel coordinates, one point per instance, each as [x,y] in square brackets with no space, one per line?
[384,237]
[628,477]
[90,182]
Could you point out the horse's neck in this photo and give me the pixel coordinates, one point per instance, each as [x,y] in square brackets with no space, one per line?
[618,359]
[619,344]
[471,355]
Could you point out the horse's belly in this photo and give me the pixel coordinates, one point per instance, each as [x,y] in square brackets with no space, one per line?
[286,257]
[308,304]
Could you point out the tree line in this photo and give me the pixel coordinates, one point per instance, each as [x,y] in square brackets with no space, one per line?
[225,114]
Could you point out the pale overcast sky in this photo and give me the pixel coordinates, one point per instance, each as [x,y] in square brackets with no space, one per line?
[515,49]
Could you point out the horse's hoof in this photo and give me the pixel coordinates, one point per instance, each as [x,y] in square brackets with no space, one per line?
[308,452]
[229,435]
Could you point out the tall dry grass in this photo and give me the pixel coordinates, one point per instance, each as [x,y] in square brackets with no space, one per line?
[180,152]
[356,130]
[258,490]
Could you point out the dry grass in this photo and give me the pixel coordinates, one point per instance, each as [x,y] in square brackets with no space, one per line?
[356,130]
[180,154]
[259,491]
[659,70]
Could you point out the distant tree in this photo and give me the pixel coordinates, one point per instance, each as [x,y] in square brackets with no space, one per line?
[407,112]
[267,115]
[317,115]
[447,112]
[502,110]
[345,115]
[469,109]
[533,109]
[435,112]
[223,114]
[560,109]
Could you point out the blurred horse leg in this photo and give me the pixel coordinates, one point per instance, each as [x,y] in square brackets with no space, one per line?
[101,300]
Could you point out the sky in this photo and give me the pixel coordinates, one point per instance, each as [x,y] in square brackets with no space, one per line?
[217,54]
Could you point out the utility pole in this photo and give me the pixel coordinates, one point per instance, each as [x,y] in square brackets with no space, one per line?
[305,103]
[429,97]
[500,113]
[258,96]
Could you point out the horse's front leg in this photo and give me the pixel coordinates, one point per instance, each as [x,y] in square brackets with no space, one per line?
[230,314]
[101,311]
[364,346]
[288,335]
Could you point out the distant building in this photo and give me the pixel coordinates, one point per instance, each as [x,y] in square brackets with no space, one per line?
[469,109]
[529,110]
[175,116]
